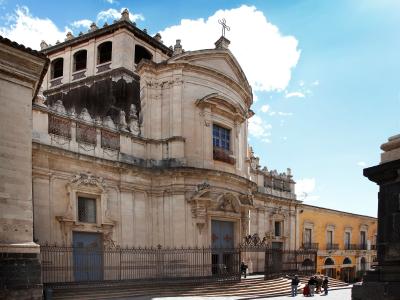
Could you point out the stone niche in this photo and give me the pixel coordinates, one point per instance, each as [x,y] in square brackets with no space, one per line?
[384,281]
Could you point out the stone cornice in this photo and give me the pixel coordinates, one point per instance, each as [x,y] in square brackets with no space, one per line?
[122,24]
[156,69]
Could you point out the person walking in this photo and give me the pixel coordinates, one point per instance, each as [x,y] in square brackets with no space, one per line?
[325,285]
[311,283]
[295,283]
[243,269]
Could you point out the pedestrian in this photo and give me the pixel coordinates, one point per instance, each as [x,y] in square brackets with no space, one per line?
[311,284]
[319,280]
[295,283]
[325,285]
[243,269]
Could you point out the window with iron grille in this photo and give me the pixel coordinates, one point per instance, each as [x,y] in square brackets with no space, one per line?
[278,228]
[221,137]
[86,210]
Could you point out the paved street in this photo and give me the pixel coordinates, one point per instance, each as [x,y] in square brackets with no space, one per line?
[340,294]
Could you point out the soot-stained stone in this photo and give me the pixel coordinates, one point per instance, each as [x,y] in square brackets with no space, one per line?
[103,98]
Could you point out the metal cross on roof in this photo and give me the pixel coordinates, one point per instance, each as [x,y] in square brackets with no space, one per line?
[224,26]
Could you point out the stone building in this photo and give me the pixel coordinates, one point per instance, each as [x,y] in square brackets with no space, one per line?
[346,242]
[138,144]
[21,73]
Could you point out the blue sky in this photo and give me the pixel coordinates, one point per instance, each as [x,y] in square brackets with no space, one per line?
[325,75]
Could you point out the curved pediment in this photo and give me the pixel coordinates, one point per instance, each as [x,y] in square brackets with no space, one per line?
[223,106]
[219,60]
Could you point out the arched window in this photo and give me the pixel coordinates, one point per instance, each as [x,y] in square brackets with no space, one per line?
[363,264]
[140,53]
[57,68]
[329,262]
[80,59]
[347,261]
[104,53]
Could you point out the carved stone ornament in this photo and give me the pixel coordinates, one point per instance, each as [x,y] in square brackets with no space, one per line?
[88,179]
[254,241]
[85,116]
[246,199]
[199,204]
[228,202]
[59,107]
[122,121]
[108,122]
[203,186]
[133,122]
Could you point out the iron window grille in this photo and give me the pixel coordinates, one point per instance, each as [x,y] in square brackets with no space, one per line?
[86,210]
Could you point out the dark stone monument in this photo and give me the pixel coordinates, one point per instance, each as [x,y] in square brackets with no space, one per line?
[384,281]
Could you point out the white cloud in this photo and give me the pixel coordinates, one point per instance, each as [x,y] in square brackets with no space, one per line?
[295,94]
[272,113]
[112,14]
[259,129]
[111,1]
[30,31]
[255,97]
[361,164]
[304,188]
[82,23]
[315,83]
[285,114]
[265,108]
[266,56]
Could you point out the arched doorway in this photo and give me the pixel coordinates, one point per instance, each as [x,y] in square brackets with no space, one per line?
[329,268]
[347,272]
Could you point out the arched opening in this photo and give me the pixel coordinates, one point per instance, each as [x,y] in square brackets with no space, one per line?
[329,262]
[57,68]
[347,261]
[80,59]
[363,264]
[104,53]
[140,53]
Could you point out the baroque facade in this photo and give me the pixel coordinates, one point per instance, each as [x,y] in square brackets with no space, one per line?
[138,144]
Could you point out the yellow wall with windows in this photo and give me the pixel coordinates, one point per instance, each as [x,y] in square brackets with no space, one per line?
[320,220]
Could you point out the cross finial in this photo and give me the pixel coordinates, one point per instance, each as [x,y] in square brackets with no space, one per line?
[224,26]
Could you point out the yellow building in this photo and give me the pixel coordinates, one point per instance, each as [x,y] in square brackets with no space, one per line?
[346,242]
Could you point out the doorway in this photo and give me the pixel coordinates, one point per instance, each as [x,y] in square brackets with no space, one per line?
[88,256]
[222,243]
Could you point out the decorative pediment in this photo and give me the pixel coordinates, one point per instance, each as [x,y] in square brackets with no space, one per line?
[224,106]
[218,60]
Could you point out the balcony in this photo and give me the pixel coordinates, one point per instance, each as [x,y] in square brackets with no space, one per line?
[310,246]
[224,155]
[350,247]
[330,246]
[362,246]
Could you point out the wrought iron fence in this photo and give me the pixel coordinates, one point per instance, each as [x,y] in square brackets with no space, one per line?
[64,265]
[282,262]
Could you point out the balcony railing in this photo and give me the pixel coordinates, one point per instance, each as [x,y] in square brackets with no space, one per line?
[330,246]
[350,247]
[362,247]
[310,246]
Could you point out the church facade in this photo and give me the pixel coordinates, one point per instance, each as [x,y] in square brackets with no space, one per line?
[137,144]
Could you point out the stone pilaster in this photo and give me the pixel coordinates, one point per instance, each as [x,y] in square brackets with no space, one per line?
[384,282]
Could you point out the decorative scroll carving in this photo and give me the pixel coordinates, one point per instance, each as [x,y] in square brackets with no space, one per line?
[86,134]
[108,122]
[85,116]
[246,199]
[110,140]
[55,82]
[59,107]
[133,122]
[59,126]
[122,121]
[203,186]
[254,241]
[88,179]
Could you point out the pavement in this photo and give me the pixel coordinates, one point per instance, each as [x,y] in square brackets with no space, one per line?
[336,294]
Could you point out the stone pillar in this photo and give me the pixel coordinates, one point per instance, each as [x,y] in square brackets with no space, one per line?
[21,73]
[384,282]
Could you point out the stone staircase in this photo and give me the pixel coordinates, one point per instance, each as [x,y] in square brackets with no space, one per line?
[250,288]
